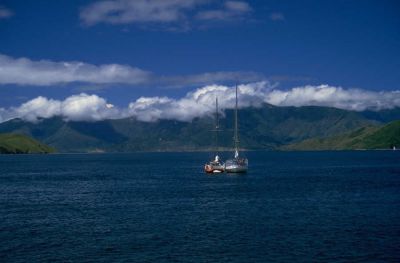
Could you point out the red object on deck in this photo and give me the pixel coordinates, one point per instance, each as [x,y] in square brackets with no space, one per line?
[208,168]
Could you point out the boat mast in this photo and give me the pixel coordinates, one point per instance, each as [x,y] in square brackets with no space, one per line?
[236,135]
[216,125]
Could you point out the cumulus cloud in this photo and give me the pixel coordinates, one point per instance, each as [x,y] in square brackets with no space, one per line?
[82,107]
[39,107]
[194,104]
[200,102]
[5,13]
[23,71]
[178,12]
[88,107]
[338,97]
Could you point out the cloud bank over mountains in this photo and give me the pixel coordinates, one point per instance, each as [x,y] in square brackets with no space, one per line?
[200,102]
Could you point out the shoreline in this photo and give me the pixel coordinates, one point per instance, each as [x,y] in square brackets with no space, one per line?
[199,151]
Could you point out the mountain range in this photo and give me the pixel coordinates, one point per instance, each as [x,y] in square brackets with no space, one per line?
[267,127]
[365,138]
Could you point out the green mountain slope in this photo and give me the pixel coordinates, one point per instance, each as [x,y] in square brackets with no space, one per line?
[267,127]
[17,143]
[373,137]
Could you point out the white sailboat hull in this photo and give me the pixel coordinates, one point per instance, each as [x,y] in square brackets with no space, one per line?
[236,166]
[236,169]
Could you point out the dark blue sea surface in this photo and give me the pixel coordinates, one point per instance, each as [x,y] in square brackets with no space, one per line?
[161,207]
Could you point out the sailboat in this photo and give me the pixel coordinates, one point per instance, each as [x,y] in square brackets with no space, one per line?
[215,166]
[237,164]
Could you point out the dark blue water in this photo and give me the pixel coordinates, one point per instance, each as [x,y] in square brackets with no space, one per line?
[161,207]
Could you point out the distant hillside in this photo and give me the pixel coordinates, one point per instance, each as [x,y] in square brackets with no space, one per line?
[267,127]
[17,143]
[373,137]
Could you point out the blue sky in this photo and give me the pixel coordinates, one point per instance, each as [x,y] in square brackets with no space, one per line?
[171,47]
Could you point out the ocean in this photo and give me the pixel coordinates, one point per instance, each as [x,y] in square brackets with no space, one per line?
[162,207]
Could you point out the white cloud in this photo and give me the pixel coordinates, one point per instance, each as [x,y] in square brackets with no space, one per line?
[5,13]
[151,109]
[277,16]
[137,11]
[194,104]
[23,71]
[88,107]
[330,96]
[4,115]
[175,13]
[200,102]
[210,78]
[39,107]
[80,107]
[238,6]
[230,10]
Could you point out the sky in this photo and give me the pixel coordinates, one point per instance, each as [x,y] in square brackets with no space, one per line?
[169,59]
